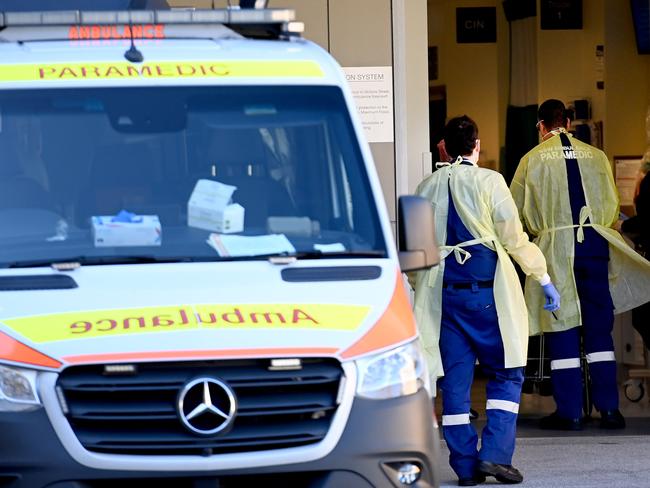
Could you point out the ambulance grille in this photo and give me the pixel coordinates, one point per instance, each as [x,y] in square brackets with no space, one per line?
[136,413]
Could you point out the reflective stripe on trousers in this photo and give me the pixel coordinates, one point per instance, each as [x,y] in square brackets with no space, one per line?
[457,419]
[470,331]
[597,311]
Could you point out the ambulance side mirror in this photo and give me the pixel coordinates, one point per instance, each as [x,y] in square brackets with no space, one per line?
[417,238]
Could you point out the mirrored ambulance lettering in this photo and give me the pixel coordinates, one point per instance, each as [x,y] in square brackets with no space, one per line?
[185,317]
[106,32]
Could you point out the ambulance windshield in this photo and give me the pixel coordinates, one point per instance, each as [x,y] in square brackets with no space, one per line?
[188,173]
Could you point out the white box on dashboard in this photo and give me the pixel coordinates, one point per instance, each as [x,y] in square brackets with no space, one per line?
[209,208]
[143,230]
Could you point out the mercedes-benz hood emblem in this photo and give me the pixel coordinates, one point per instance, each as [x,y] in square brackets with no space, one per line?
[206,406]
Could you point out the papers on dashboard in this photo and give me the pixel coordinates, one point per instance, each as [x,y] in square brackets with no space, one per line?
[235,246]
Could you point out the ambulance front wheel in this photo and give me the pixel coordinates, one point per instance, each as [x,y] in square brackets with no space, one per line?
[634,390]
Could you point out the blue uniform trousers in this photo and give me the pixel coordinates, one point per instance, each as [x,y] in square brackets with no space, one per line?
[597,311]
[470,331]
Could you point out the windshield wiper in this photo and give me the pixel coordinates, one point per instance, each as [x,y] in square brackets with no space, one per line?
[369,253]
[315,254]
[104,260]
[69,262]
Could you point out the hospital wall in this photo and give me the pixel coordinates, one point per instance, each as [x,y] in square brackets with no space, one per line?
[476,75]
[627,84]
[566,60]
[568,70]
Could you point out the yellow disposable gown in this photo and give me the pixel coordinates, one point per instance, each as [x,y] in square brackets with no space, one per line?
[540,189]
[485,206]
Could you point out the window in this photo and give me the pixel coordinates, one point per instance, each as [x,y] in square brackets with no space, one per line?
[70,155]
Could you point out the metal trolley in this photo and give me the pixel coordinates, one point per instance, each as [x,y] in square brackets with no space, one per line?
[635,387]
[537,373]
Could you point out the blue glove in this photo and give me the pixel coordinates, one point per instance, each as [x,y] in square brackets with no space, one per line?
[125,216]
[552,297]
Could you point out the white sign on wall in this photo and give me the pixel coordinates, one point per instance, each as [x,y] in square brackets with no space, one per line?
[372,88]
[627,177]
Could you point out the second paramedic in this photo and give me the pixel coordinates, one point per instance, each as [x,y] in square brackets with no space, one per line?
[472,306]
[568,201]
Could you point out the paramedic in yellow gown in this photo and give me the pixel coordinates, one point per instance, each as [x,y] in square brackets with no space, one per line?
[568,202]
[472,306]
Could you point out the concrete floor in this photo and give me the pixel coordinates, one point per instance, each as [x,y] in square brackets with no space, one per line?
[575,462]
[592,458]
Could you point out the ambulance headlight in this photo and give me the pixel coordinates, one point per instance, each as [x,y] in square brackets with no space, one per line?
[398,372]
[18,389]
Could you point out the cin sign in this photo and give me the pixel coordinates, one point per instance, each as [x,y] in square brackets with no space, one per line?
[476,24]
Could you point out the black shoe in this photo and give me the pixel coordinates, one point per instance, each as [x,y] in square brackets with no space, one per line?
[467,482]
[477,479]
[556,422]
[504,473]
[611,419]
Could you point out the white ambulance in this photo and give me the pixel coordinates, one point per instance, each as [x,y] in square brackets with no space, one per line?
[198,281]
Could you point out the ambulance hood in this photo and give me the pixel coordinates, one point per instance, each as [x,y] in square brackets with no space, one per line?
[164,312]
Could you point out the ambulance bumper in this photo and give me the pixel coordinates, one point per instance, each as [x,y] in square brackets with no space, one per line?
[380,437]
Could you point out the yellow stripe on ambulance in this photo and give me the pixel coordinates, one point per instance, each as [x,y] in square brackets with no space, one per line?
[167,69]
[104,323]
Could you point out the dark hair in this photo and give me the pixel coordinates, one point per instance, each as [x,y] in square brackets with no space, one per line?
[553,114]
[460,136]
